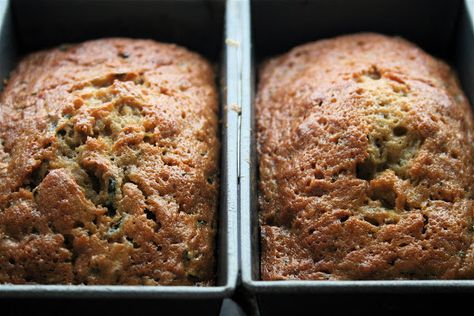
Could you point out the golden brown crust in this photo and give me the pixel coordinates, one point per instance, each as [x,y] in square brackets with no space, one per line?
[109,166]
[366,163]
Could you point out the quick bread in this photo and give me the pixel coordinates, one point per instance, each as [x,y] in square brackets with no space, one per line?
[109,160]
[365,147]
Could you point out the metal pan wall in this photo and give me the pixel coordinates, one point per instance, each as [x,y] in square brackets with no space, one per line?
[201,26]
[444,29]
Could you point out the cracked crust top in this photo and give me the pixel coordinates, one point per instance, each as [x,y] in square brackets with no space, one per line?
[109,166]
[366,163]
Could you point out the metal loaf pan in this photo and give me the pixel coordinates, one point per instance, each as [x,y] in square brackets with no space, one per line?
[444,29]
[27,26]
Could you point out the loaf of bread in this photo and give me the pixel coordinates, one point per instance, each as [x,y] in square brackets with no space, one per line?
[365,149]
[109,166]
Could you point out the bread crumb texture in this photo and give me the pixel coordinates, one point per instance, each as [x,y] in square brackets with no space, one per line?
[366,163]
[109,166]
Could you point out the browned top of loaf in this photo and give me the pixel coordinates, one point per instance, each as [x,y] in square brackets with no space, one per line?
[366,163]
[108,166]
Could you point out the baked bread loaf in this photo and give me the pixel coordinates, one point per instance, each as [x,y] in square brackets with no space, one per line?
[366,163]
[109,166]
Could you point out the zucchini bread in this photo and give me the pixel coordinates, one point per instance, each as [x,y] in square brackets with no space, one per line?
[366,163]
[109,166]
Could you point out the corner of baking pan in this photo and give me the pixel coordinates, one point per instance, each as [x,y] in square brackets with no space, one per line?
[7,47]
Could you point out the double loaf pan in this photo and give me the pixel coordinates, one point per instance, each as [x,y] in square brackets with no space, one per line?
[254,31]
[201,26]
[443,29]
